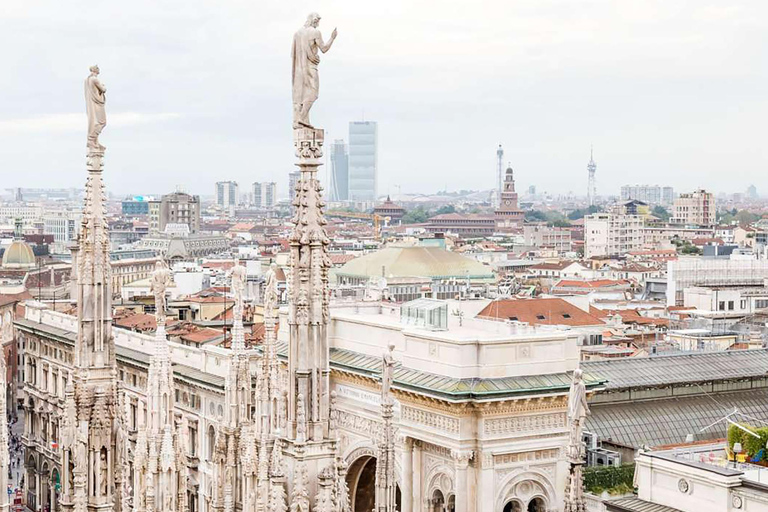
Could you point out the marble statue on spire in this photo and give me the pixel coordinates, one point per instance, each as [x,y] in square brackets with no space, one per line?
[578,410]
[387,373]
[306,83]
[95,98]
[238,275]
[161,278]
[385,480]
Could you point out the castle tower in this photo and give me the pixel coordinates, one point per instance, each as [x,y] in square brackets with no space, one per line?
[94,439]
[508,215]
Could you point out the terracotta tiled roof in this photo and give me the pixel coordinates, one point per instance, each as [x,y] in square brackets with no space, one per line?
[560,265]
[138,321]
[550,311]
[340,259]
[7,298]
[591,285]
[242,226]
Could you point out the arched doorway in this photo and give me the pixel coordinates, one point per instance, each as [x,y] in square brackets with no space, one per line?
[450,506]
[513,506]
[45,497]
[30,482]
[361,481]
[537,505]
[438,501]
[56,489]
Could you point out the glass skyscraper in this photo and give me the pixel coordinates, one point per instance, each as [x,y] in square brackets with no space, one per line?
[339,171]
[363,160]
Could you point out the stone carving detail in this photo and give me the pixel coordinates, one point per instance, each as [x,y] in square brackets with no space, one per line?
[515,458]
[519,424]
[430,419]
[350,421]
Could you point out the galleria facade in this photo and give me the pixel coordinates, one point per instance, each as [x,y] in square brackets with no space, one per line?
[480,410]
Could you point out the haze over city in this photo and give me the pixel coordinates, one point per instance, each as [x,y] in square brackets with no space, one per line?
[667,92]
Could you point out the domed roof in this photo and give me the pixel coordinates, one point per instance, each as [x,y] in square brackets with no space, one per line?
[431,262]
[19,255]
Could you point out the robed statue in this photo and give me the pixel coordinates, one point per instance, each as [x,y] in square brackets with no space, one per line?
[159,282]
[95,97]
[238,275]
[578,410]
[270,290]
[387,373]
[306,84]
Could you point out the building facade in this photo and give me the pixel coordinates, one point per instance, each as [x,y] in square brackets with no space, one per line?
[543,236]
[64,225]
[339,188]
[363,160]
[456,451]
[178,208]
[135,206]
[227,193]
[264,194]
[608,234]
[651,194]
[694,209]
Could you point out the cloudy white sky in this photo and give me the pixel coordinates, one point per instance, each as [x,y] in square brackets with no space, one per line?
[667,91]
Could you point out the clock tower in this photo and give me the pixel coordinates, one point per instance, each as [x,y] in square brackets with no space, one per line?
[508,215]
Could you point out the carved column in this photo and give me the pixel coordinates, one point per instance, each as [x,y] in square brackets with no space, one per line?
[461,463]
[407,483]
[417,477]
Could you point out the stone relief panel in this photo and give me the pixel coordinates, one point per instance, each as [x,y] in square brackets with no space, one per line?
[524,424]
[532,456]
[369,428]
[430,419]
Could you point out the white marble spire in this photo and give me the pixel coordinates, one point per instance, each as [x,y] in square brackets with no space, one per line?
[386,484]
[94,442]
[578,410]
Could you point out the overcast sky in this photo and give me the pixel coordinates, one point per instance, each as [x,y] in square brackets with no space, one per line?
[668,92]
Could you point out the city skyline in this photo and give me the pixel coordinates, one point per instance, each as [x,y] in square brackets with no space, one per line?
[609,76]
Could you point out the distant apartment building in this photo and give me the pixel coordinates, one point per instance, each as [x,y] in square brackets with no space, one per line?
[64,225]
[176,208]
[135,206]
[651,194]
[545,237]
[339,187]
[694,209]
[153,214]
[363,160]
[293,178]
[609,234]
[667,196]
[226,194]
[28,214]
[264,194]
[736,271]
